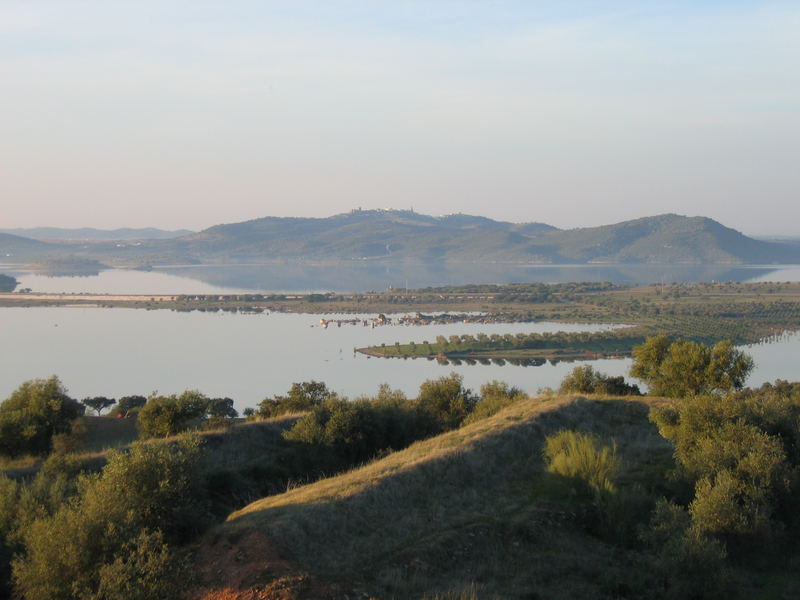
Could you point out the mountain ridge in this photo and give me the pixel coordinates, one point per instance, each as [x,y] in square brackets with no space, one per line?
[93,234]
[406,236]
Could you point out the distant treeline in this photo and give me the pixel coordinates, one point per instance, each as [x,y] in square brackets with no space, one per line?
[7,283]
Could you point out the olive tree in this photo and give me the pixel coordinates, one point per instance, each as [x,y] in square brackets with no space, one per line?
[163,416]
[33,414]
[683,368]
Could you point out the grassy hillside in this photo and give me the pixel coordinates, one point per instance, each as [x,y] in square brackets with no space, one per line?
[472,509]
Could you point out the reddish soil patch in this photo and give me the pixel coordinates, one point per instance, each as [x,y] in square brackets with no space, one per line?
[249,567]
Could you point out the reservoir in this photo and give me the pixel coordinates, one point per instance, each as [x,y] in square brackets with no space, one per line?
[306,278]
[120,351]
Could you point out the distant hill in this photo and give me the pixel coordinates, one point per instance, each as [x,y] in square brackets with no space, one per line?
[363,235]
[14,247]
[666,238]
[91,234]
[404,236]
[407,236]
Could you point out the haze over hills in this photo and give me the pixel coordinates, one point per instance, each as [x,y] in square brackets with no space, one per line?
[407,236]
[92,234]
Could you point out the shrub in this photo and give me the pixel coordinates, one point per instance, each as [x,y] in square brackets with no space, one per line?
[585,380]
[689,564]
[302,397]
[74,440]
[355,431]
[33,414]
[130,405]
[495,396]
[683,368]
[740,453]
[445,402]
[163,416]
[108,528]
[146,569]
[583,458]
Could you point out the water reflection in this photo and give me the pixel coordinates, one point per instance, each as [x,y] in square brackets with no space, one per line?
[117,352]
[349,277]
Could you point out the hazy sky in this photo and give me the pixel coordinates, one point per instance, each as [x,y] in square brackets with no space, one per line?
[190,113]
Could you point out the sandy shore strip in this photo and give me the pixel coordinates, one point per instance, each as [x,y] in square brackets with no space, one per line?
[91,297]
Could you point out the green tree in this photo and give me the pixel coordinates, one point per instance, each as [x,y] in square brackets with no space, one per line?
[129,404]
[740,454]
[585,380]
[682,368]
[302,397]
[146,569]
[116,526]
[33,414]
[163,416]
[98,403]
[445,401]
[221,408]
[494,397]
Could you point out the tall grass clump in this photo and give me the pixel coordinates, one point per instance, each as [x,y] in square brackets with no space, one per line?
[583,458]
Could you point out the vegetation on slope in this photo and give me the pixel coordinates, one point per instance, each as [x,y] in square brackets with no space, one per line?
[564,496]
[470,506]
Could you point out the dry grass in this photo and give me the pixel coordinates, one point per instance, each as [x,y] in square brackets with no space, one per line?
[460,509]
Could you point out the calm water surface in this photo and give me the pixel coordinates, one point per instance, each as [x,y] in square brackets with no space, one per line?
[299,278]
[116,352]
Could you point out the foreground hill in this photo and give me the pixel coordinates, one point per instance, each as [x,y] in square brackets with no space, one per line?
[470,509]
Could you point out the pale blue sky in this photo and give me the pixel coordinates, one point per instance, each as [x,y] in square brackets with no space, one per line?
[191,113]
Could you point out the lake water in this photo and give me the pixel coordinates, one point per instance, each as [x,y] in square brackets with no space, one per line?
[300,278]
[117,352]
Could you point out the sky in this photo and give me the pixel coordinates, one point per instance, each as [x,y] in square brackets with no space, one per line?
[185,114]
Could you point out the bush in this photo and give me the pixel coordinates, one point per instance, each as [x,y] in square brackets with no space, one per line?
[163,416]
[130,405]
[108,528]
[351,432]
[584,459]
[74,441]
[146,569]
[585,380]
[33,414]
[445,402]
[302,397]
[495,396]
[683,368]
[689,564]
[740,453]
